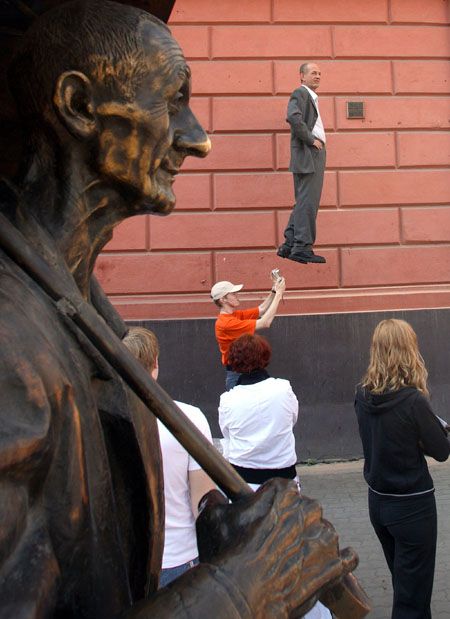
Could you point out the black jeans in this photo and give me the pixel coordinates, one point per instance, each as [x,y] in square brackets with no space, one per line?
[407,530]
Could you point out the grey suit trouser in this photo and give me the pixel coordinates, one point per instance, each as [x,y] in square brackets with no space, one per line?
[300,232]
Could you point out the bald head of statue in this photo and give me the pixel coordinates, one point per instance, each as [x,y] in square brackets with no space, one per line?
[103,92]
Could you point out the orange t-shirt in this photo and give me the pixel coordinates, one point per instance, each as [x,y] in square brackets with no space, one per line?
[231,326]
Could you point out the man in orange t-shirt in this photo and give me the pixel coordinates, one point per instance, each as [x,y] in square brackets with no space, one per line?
[232,323]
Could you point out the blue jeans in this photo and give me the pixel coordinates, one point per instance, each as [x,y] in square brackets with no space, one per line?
[170,573]
[231,379]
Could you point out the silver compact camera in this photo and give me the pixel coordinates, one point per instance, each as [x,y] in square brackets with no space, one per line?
[275,275]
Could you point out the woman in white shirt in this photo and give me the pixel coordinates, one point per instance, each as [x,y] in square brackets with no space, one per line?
[257,419]
[258,415]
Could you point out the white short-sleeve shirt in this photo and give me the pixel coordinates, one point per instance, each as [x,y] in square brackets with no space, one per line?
[180,543]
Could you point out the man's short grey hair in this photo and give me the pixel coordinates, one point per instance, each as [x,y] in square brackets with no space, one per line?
[304,67]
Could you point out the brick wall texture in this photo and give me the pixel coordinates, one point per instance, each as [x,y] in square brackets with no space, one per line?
[384,222]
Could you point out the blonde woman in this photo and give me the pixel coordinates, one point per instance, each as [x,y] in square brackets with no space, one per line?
[398,428]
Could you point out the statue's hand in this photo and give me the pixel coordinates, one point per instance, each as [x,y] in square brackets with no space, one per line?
[274,546]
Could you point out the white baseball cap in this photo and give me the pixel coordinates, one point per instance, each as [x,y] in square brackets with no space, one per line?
[221,289]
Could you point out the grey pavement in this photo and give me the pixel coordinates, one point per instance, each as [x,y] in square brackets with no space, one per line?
[341,490]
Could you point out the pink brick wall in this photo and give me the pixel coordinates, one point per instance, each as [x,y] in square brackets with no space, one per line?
[384,224]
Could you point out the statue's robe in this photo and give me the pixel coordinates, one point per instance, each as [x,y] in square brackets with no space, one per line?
[81,504]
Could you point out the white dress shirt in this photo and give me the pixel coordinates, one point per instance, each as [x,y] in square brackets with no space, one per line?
[257,422]
[318,129]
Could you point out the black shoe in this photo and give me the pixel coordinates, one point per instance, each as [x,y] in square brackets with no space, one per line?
[284,251]
[306,256]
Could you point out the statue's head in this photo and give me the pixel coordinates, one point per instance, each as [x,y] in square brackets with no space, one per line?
[111,81]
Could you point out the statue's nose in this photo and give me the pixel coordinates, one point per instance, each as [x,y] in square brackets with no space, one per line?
[193,138]
[198,147]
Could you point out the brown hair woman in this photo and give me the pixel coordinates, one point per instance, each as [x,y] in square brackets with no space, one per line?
[257,419]
[257,416]
[398,428]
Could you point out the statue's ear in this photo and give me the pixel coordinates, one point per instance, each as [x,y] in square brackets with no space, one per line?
[74,105]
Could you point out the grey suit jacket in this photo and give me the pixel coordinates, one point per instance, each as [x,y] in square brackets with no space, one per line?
[302,116]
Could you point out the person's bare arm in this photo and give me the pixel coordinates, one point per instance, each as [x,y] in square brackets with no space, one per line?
[266,303]
[199,485]
[266,320]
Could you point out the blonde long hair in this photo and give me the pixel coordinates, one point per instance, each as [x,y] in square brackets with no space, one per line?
[395,360]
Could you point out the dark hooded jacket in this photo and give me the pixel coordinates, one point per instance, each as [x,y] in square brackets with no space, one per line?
[397,430]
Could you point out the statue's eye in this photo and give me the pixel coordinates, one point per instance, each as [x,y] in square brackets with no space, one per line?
[176,102]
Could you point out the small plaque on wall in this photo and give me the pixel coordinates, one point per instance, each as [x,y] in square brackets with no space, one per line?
[355,109]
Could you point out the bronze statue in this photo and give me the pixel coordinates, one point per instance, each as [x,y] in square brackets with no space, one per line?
[102,90]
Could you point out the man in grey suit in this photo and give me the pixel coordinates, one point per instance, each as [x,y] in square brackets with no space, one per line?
[307,165]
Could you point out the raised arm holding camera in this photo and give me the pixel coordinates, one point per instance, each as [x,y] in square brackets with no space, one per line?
[232,322]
